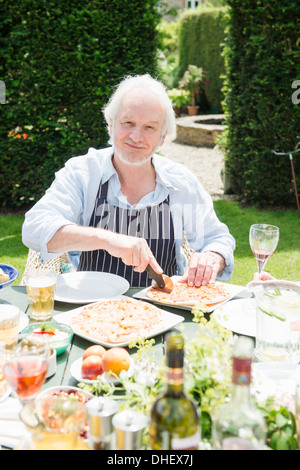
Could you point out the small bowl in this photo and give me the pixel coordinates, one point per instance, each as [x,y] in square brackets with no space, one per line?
[51,362]
[59,345]
[12,272]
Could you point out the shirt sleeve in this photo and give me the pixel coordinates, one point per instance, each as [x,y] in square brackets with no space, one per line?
[205,232]
[61,205]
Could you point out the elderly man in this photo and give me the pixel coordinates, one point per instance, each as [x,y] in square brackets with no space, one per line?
[124,207]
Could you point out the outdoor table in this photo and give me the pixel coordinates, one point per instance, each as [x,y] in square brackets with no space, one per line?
[17,296]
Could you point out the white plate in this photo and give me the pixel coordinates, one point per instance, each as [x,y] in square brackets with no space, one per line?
[75,371]
[238,315]
[169,321]
[80,287]
[23,321]
[234,290]
[6,394]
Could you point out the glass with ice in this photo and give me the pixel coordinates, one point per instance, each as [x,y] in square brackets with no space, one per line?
[277,322]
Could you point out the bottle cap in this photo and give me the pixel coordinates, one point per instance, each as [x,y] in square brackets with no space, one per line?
[175,350]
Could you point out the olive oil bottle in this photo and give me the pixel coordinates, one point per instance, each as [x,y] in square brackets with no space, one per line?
[174,421]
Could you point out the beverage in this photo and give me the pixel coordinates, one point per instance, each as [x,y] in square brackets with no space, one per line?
[239,425]
[263,239]
[26,375]
[9,321]
[261,257]
[174,421]
[277,317]
[41,287]
[54,423]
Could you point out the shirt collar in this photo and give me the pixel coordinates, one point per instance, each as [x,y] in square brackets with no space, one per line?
[163,174]
[160,164]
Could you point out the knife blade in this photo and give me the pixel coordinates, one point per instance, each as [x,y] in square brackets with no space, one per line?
[158,278]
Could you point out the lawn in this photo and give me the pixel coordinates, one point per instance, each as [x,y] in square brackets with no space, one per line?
[284,263]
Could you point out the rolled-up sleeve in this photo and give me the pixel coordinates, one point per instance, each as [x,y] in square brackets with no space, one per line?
[205,232]
[62,204]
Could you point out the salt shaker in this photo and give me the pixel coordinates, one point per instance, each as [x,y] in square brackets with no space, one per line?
[100,412]
[129,426]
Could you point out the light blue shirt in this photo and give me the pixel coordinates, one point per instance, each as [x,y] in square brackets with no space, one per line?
[71,200]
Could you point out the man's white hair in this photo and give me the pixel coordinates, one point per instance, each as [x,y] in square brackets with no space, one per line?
[152,87]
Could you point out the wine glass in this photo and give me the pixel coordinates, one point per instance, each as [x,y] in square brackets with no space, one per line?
[25,366]
[263,239]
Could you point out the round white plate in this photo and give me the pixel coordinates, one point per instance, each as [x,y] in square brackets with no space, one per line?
[238,316]
[6,394]
[75,371]
[89,286]
[23,321]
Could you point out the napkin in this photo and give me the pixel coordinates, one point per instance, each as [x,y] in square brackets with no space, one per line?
[12,430]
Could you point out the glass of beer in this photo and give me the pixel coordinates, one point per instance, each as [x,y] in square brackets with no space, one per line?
[41,286]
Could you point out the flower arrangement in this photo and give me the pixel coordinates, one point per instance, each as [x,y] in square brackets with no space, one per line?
[179,97]
[207,379]
[193,81]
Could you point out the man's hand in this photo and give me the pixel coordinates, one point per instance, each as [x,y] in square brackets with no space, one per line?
[133,251]
[203,268]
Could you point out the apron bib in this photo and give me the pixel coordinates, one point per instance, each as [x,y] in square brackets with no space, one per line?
[154,223]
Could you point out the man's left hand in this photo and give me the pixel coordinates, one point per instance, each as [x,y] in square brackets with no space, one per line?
[203,268]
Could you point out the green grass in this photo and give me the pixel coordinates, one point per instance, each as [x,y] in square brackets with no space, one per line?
[283,264]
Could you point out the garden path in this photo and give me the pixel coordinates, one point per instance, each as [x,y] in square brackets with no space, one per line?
[205,163]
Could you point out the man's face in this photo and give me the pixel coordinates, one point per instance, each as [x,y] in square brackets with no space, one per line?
[137,131]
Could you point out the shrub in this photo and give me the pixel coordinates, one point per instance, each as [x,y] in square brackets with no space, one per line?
[201,37]
[59,63]
[262,57]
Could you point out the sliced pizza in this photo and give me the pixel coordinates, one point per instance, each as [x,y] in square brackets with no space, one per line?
[117,320]
[182,294]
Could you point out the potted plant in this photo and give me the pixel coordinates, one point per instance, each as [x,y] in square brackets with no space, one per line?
[179,98]
[193,81]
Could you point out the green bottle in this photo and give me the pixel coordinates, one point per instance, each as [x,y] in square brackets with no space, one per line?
[174,421]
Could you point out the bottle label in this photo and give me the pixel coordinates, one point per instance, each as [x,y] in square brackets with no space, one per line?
[174,375]
[241,371]
[186,443]
[236,443]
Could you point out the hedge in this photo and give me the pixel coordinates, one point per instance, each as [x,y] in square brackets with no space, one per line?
[262,62]
[201,38]
[60,61]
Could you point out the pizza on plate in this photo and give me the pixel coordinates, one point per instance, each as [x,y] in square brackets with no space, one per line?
[117,320]
[182,294]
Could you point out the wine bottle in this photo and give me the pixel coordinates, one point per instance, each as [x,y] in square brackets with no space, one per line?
[239,425]
[174,420]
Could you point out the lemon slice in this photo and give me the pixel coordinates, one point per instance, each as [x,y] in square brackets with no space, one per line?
[291,302]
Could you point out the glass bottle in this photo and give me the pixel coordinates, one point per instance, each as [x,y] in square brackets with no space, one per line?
[174,421]
[239,425]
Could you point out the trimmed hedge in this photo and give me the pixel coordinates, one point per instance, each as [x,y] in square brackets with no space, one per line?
[201,37]
[59,61]
[262,61]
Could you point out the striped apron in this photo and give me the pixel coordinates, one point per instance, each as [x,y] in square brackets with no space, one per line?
[153,223]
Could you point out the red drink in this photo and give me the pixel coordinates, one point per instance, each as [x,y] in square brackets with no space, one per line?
[26,375]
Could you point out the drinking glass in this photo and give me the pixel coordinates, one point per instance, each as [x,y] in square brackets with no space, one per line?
[41,287]
[9,321]
[263,239]
[25,366]
[277,322]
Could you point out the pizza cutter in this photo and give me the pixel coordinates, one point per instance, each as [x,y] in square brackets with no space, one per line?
[163,282]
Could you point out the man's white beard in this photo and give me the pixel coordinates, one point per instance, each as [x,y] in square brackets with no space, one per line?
[133,163]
